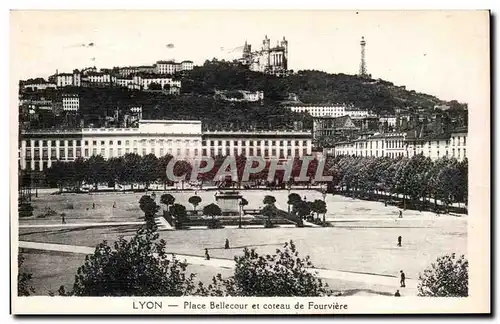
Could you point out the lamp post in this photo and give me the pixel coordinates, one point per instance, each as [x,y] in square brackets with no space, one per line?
[241,211]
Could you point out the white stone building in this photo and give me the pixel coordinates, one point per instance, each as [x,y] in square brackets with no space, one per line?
[459,144]
[181,138]
[145,81]
[406,145]
[70,102]
[330,111]
[268,144]
[38,84]
[167,67]
[390,120]
[187,65]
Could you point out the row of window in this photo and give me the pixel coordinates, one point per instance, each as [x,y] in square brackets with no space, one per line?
[152,142]
[119,152]
[110,142]
[111,152]
[458,140]
[397,154]
[258,152]
[257,143]
[36,164]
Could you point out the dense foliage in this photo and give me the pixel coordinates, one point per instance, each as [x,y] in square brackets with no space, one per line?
[448,277]
[132,169]
[138,267]
[108,106]
[416,178]
[150,208]
[24,287]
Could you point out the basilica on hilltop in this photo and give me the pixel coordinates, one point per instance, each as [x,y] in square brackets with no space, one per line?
[271,60]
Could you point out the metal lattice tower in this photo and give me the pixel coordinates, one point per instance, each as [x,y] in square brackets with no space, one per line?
[362,66]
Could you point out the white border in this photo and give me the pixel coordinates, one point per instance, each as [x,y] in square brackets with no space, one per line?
[217,4]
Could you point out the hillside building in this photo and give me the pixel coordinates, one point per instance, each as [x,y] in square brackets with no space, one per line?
[271,60]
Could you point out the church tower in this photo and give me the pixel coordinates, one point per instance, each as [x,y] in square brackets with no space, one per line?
[284,44]
[266,47]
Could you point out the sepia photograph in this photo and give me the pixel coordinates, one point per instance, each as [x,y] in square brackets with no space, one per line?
[295,160]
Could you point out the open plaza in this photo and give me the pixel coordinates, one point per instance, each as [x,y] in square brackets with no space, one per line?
[357,254]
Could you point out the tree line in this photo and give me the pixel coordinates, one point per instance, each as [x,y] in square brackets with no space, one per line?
[415,179]
[132,169]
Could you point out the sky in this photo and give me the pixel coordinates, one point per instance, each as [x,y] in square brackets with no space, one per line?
[443,53]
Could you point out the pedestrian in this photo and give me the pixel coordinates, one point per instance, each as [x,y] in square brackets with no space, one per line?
[403,277]
[385,203]
[63,218]
[397,294]
[93,205]
[400,214]
[114,204]
[399,240]
[207,256]
[226,246]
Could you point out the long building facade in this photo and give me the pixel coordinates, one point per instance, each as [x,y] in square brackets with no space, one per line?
[183,139]
[394,145]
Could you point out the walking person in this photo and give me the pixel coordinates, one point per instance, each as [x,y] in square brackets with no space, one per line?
[399,240]
[403,277]
[63,218]
[226,246]
[93,205]
[207,256]
[400,214]
[114,204]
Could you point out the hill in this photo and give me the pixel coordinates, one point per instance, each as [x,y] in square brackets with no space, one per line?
[312,87]
[98,106]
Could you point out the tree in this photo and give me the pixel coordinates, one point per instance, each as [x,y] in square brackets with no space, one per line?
[23,279]
[319,207]
[162,169]
[212,210]
[131,166]
[269,210]
[115,170]
[303,209]
[149,169]
[96,170]
[139,267]
[293,199]
[54,174]
[448,277]
[167,199]
[79,169]
[150,208]
[284,273]
[195,201]
[269,200]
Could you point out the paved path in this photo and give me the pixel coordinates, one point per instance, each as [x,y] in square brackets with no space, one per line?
[374,279]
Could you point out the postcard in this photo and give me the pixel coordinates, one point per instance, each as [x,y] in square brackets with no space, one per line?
[250,162]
